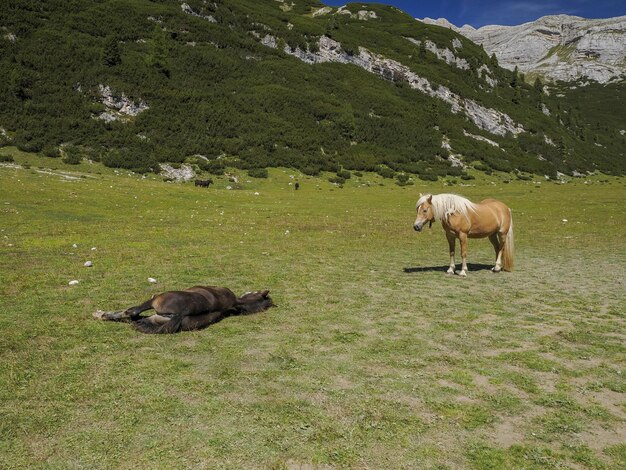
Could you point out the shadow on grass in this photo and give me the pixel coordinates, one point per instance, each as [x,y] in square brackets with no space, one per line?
[470,267]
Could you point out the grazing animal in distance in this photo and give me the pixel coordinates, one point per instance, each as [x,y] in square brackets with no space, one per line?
[203,183]
[464,219]
[297,185]
[190,309]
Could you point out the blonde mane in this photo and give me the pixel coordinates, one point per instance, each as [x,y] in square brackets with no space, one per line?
[445,205]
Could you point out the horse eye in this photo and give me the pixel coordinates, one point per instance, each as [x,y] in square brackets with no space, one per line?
[425,210]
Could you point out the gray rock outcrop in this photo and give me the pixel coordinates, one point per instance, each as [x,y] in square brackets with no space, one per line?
[118,107]
[558,47]
[330,50]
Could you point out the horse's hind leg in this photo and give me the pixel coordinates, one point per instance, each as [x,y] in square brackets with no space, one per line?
[111,316]
[498,246]
[134,312]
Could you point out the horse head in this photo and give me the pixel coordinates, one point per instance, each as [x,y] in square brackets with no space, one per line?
[252,302]
[424,208]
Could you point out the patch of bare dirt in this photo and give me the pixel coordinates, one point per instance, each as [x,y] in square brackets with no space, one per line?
[600,438]
[292,465]
[510,429]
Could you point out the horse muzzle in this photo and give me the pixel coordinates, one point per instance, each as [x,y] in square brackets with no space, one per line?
[418,226]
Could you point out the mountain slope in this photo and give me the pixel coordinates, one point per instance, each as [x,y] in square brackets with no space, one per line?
[254,83]
[558,47]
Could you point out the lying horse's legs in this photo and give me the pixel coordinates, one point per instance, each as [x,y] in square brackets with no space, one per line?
[130,314]
[111,316]
[159,323]
[451,242]
[496,241]
[463,241]
[134,312]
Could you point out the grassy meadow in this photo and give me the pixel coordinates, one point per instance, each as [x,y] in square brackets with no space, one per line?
[373,357]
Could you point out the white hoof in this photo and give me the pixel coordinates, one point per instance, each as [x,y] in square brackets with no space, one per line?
[463,273]
[450,271]
[98,314]
[496,269]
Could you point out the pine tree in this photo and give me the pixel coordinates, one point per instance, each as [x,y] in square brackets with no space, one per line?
[493,60]
[158,57]
[422,51]
[112,55]
[515,78]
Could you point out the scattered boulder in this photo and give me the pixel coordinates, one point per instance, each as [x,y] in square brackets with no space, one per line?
[182,174]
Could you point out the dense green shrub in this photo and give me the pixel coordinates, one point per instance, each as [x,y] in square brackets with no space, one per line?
[345,174]
[215,167]
[428,177]
[6,158]
[51,151]
[403,179]
[258,172]
[337,180]
[71,155]
[385,172]
[311,170]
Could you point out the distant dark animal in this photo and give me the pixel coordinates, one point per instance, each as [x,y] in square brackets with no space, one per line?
[297,186]
[190,309]
[203,183]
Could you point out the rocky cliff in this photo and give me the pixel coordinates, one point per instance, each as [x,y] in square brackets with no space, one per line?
[558,47]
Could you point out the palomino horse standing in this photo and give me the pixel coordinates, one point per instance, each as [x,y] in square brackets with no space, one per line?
[190,309]
[464,219]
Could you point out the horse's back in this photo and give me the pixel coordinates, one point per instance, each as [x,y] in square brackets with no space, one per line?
[220,298]
[500,211]
[491,202]
[489,216]
[195,300]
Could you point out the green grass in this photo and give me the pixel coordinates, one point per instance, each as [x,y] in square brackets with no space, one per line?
[373,357]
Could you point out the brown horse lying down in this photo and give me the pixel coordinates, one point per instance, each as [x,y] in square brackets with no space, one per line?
[190,309]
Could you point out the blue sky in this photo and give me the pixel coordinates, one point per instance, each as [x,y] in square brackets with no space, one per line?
[481,12]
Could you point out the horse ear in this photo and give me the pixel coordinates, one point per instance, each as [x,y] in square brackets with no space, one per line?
[430,198]
[421,194]
[265,293]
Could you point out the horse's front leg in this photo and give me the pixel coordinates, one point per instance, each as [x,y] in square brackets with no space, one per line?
[463,242]
[451,242]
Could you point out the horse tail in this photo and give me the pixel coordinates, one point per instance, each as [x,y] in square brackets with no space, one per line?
[507,254]
[146,326]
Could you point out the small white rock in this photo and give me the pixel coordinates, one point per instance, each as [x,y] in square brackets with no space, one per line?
[152,280]
[564,220]
[73,283]
[93,248]
[256,194]
[88,264]
[74,245]
[229,187]
[286,232]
